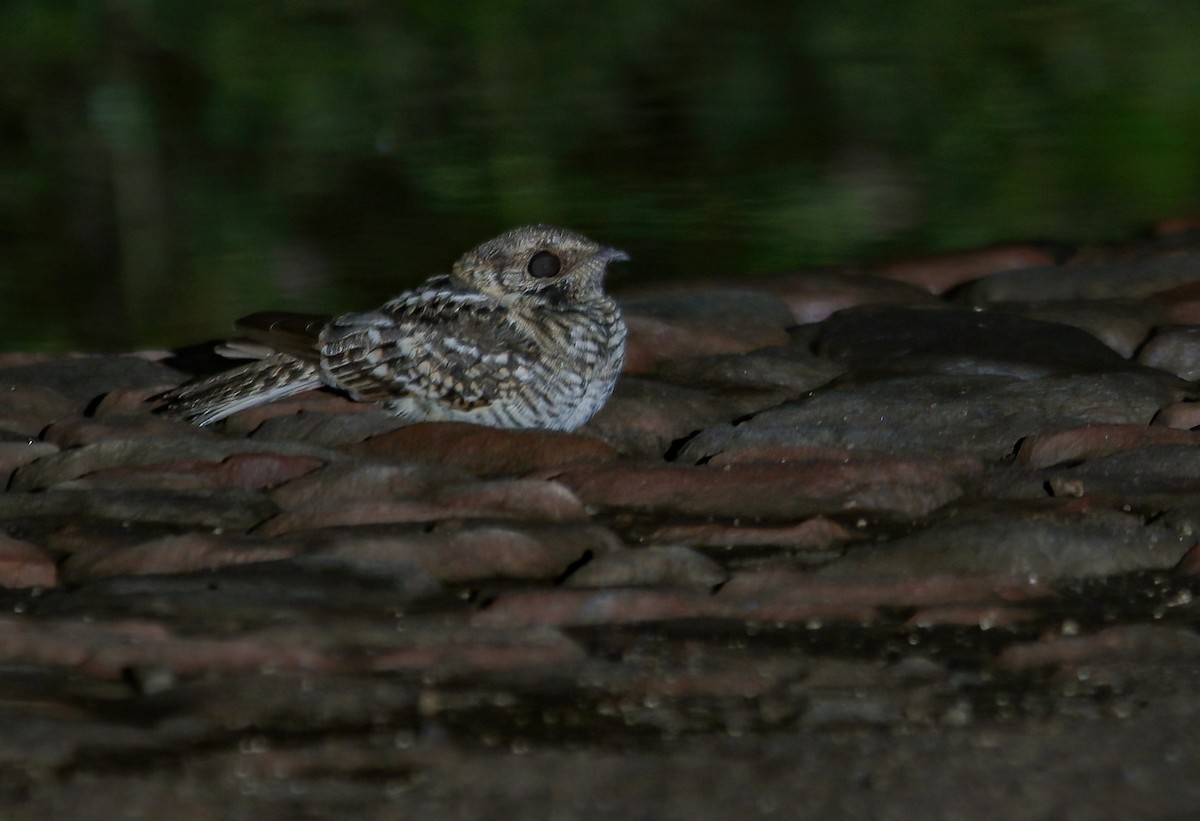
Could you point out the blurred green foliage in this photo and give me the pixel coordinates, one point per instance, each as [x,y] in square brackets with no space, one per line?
[166,167]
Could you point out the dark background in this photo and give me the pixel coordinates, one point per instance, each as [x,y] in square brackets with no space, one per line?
[167,167]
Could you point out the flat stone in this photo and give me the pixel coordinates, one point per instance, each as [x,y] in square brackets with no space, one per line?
[817,533]
[470,550]
[668,565]
[1179,415]
[1153,478]
[814,295]
[1143,643]
[686,324]
[939,274]
[1174,349]
[254,471]
[185,553]
[498,499]
[789,491]
[27,409]
[25,565]
[789,368]
[1121,324]
[316,402]
[938,416]
[645,417]
[76,432]
[1127,278]
[329,430]
[1047,547]
[576,608]
[1180,305]
[1093,441]
[485,451]
[960,341]
[80,379]
[360,481]
[17,454]
[139,452]
[229,508]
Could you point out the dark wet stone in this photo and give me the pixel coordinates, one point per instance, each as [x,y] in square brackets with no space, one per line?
[1174,349]
[228,508]
[932,416]
[1121,324]
[1143,643]
[330,430]
[789,368]
[1132,277]
[468,550]
[24,451]
[788,491]
[76,432]
[1094,441]
[184,553]
[351,481]
[644,417]
[27,409]
[940,273]
[1150,478]
[25,565]
[140,452]
[695,323]
[960,341]
[669,565]
[818,533]
[81,379]
[485,451]
[1048,547]
[814,295]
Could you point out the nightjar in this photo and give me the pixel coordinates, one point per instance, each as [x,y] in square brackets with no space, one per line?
[519,334]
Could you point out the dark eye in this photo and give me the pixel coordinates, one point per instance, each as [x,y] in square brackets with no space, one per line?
[543,264]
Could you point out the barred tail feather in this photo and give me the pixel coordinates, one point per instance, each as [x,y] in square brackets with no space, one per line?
[211,400]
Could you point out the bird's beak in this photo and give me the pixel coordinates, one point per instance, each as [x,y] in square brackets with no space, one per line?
[609,254]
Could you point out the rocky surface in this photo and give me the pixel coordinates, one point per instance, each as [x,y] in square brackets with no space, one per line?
[914,542]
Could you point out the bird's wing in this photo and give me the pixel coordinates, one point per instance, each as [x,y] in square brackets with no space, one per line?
[456,347]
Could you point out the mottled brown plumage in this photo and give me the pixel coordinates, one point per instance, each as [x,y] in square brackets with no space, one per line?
[519,334]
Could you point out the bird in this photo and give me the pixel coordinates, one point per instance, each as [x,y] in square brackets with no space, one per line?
[519,334]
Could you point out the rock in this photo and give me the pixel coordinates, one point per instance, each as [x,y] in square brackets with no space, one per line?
[76,432]
[511,498]
[814,295]
[941,273]
[25,565]
[960,341]
[80,379]
[773,370]
[329,430]
[577,608]
[19,453]
[1151,478]
[317,402]
[1045,547]
[485,451]
[1179,415]
[253,471]
[938,416]
[817,533]
[1128,278]
[645,417]
[1180,305]
[1142,643]
[1121,324]
[682,325]
[789,491]
[227,508]
[185,553]
[27,409]
[470,550]
[1093,441]
[669,565]
[1174,349]
[360,481]
[140,452]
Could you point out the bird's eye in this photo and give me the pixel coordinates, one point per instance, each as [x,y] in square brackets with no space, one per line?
[543,264]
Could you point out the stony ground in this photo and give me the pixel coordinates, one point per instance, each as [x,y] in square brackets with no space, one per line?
[917,541]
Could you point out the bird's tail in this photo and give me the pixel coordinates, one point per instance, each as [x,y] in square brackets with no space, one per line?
[209,400]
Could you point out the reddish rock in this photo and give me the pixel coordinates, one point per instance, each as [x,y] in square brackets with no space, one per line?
[172,554]
[469,551]
[562,608]
[353,481]
[136,402]
[786,491]
[73,433]
[14,455]
[1179,415]
[1134,642]
[671,566]
[25,565]
[941,273]
[27,409]
[1181,304]
[1092,441]
[246,470]
[1174,349]
[485,451]
[500,499]
[985,617]
[1177,225]
[1189,565]
[310,401]
[456,648]
[818,533]
[813,296]
[653,340]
